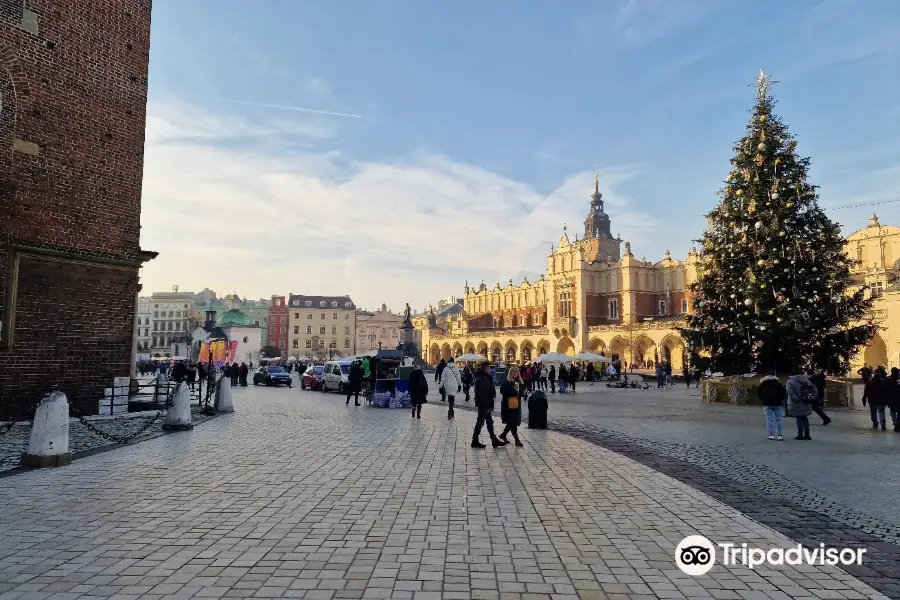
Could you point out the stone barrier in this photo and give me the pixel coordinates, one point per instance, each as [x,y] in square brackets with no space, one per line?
[178,416]
[49,443]
[743,391]
[223,397]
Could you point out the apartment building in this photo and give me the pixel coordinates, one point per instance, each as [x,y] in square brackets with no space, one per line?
[321,326]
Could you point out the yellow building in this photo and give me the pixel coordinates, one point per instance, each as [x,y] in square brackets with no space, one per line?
[877,248]
[594,296]
[321,326]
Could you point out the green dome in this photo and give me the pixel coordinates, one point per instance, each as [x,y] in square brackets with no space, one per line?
[234,318]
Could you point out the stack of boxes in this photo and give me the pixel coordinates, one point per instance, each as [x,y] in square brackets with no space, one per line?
[115,399]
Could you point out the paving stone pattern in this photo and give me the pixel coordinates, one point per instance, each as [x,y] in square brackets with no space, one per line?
[82,440]
[298,496]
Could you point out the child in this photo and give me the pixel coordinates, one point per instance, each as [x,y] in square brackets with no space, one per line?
[771,396]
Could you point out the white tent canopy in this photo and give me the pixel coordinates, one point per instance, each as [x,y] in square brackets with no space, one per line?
[590,357]
[554,357]
[470,357]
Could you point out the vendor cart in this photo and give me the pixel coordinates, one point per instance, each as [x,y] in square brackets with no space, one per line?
[389,383]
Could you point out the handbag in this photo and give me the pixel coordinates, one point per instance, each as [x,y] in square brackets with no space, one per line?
[512,403]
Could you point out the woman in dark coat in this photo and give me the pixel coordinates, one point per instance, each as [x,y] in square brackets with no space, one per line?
[354,381]
[513,387]
[418,390]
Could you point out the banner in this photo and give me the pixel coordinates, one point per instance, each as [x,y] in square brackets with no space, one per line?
[222,352]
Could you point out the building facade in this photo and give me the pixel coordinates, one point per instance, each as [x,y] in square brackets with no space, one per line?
[377,330]
[321,326]
[70,190]
[143,327]
[171,318]
[256,310]
[594,295]
[277,331]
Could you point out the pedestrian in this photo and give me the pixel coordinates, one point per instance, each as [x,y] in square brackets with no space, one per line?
[512,393]
[866,373]
[243,374]
[437,376]
[590,372]
[179,372]
[667,371]
[894,397]
[772,395]
[485,392]
[544,374]
[191,375]
[660,375]
[818,380]
[418,391]
[698,376]
[467,378]
[876,393]
[526,377]
[354,382]
[573,376]
[686,371]
[801,394]
[451,385]
[233,374]
[551,377]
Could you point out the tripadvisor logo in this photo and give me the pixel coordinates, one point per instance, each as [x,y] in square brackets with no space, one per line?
[695,555]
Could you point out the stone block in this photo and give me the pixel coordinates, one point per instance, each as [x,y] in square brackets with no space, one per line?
[119,409]
[107,392]
[104,409]
[119,400]
[121,382]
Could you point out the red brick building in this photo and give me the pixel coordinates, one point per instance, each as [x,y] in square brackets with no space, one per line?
[278,324]
[73,96]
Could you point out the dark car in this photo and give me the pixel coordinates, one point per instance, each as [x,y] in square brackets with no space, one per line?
[312,378]
[271,376]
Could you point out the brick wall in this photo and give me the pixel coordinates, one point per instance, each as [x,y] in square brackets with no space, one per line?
[596,309]
[73,77]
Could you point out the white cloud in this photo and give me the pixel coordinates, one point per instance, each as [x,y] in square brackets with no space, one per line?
[260,220]
[640,22]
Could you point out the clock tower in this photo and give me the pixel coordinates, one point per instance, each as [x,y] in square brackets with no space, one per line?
[597,227]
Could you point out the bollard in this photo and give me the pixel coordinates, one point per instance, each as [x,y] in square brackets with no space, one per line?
[49,444]
[178,416]
[223,397]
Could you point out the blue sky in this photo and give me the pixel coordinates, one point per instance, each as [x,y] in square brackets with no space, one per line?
[468,132]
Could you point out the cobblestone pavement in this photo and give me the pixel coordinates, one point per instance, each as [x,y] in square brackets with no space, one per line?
[296,495]
[81,440]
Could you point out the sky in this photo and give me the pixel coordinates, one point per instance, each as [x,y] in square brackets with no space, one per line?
[393,150]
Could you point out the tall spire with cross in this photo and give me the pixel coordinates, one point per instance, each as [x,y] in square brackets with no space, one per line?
[596,225]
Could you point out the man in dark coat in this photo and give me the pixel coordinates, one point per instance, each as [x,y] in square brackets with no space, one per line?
[242,373]
[818,380]
[877,394]
[418,391]
[467,379]
[354,381]
[485,392]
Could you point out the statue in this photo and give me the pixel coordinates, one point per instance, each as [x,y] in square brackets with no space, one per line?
[407,315]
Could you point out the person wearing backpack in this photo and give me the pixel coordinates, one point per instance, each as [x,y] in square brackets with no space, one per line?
[877,393]
[451,385]
[801,395]
[771,395]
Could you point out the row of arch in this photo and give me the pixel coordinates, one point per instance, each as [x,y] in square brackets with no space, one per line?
[639,350]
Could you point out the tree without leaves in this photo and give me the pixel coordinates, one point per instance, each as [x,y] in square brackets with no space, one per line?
[773,287]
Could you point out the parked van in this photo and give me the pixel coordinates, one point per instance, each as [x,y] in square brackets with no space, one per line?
[335,376]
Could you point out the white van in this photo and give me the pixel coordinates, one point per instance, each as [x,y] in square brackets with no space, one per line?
[335,375]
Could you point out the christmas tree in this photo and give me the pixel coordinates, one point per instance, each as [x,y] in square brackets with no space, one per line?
[773,287]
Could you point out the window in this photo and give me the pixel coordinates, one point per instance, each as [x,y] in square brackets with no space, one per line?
[347,315]
[496,323]
[564,306]
[307,303]
[296,343]
[308,329]
[334,331]
[283,330]
[278,302]
[296,329]
[613,309]
[272,321]
[346,343]
[346,331]
[509,321]
[321,303]
[256,322]
[309,315]
[334,316]
[332,344]
[321,344]
[662,307]
[283,345]
[178,313]
[322,316]
[296,315]
[684,307]
[284,319]
[308,344]
[348,304]
[321,331]
[877,289]
[333,304]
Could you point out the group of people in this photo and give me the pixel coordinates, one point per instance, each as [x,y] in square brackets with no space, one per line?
[801,397]
[237,373]
[882,394]
[452,382]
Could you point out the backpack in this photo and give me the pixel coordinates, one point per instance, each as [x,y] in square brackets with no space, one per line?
[809,394]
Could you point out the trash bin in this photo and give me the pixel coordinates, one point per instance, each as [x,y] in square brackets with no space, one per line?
[537,411]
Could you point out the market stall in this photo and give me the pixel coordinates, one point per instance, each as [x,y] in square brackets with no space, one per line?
[388,380]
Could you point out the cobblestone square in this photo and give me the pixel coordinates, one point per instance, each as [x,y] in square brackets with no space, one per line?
[297,495]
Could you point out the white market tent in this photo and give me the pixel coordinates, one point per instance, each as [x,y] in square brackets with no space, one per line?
[470,357]
[554,357]
[590,357]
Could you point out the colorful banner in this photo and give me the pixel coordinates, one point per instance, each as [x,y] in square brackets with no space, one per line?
[221,354]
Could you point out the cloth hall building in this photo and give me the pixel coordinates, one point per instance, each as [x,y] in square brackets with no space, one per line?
[594,296]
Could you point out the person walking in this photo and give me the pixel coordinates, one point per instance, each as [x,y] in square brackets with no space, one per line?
[451,385]
[544,374]
[242,373]
[551,376]
[437,376]
[660,374]
[526,377]
[233,373]
[866,373]
[894,397]
[876,393]
[589,371]
[801,394]
[667,371]
[772,395]
[686,372]
[485,392]
[818,380]
[512,393]
[418,391]
[354,382]
[573,376]
[467,380]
